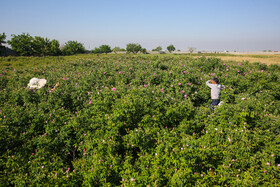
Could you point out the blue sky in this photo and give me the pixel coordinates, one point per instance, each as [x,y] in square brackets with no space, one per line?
[241,25]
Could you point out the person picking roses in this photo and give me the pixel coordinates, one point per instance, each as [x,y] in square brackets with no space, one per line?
[215,90]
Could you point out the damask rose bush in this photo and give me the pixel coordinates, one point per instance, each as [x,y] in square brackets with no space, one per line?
[129,120]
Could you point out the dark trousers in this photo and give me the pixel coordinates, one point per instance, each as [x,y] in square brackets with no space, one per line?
[215,102]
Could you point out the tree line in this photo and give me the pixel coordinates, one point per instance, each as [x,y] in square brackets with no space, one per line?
[27,45]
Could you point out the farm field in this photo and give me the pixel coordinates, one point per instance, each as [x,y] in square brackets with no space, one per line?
[262,58]
[139,120]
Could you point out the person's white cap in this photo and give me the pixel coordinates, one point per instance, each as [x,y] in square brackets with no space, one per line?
[36,83]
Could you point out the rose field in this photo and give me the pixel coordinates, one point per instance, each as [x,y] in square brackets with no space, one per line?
[138,120]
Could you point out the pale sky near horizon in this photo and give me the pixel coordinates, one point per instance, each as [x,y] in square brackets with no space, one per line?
[211,25]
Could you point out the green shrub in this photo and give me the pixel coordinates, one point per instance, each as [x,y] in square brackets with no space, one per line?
[138,121]
[72,47]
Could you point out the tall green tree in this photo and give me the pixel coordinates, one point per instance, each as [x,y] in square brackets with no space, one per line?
[105,49]
[96,50]
[158,48]
[133,48]
[144,51]
[73,47]
[2,39]
[22,44]
[122,49]
[54,49]
[26,45]
[116,49]
[171,48]
[40,46]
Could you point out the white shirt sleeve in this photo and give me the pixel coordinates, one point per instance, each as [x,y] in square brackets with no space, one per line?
[208,84]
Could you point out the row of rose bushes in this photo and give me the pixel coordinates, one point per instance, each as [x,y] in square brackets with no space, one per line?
[140,120]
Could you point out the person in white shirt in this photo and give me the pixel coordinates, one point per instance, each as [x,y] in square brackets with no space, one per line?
[215,90]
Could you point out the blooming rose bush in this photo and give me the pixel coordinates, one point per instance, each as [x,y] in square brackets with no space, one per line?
[128,120]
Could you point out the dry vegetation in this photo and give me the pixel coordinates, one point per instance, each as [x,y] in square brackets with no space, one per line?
[267,59]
